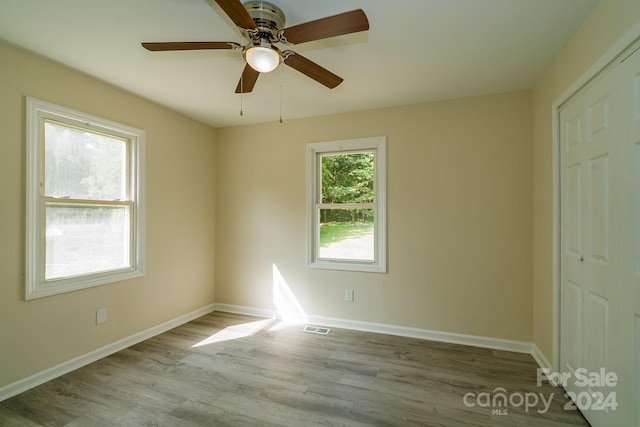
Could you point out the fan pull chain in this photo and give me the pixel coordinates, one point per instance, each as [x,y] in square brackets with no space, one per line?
[281,94]
[241,91]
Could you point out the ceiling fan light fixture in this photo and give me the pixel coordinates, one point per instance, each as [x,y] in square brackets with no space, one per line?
[262,59]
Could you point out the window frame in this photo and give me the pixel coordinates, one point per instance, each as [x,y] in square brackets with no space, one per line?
[37,112]
[314,203]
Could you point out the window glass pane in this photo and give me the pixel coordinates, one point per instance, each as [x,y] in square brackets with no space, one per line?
[346,234]
[83,240]
[81,164]
[347,178]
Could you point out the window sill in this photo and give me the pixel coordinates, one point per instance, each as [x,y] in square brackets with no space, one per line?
[367,267]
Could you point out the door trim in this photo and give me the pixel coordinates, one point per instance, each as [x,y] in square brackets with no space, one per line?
[605,61]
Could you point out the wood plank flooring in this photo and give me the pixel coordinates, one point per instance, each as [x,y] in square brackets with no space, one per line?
[281,376]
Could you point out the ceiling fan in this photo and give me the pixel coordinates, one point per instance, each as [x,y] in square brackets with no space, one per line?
[262,24]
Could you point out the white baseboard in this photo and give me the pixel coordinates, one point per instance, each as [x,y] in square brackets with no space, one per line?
[247,311]
[25,384]
[541,358]
[403,331]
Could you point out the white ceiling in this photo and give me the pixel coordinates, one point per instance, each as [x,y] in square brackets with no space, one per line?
[415,51]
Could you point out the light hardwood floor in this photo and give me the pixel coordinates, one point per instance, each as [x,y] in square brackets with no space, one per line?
[282,376]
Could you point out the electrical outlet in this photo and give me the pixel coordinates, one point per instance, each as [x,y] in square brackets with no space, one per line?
[101,316]
[348,295]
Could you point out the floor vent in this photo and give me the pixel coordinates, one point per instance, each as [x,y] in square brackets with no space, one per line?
[316,330]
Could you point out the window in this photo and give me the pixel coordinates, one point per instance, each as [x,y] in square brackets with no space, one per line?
[346,205]
[85,207]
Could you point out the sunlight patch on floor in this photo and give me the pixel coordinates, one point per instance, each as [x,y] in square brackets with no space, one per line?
[289,314]
[234,332]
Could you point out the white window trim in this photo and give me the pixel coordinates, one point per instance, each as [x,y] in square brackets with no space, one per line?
[35,285]
[377,144]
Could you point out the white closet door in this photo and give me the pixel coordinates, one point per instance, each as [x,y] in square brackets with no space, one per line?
[629,391]
[590,255]
[572,211]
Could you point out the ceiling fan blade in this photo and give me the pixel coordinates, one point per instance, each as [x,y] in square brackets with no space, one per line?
[238,14]
[311,69]
[164,46]
[248,80]
[331,26]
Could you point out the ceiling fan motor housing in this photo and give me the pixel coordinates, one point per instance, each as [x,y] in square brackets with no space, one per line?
[268,17]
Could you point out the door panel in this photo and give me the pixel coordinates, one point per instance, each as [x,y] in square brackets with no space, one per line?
[573,210]
[597,118]
[598,206]
[572,130]
[571,327]
[597,331]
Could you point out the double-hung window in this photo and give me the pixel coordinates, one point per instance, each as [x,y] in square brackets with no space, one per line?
[346,205]
[84,200]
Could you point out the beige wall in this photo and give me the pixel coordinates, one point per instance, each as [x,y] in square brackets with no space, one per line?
[459,217]
[38,334]
[470,212]
[606,25]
